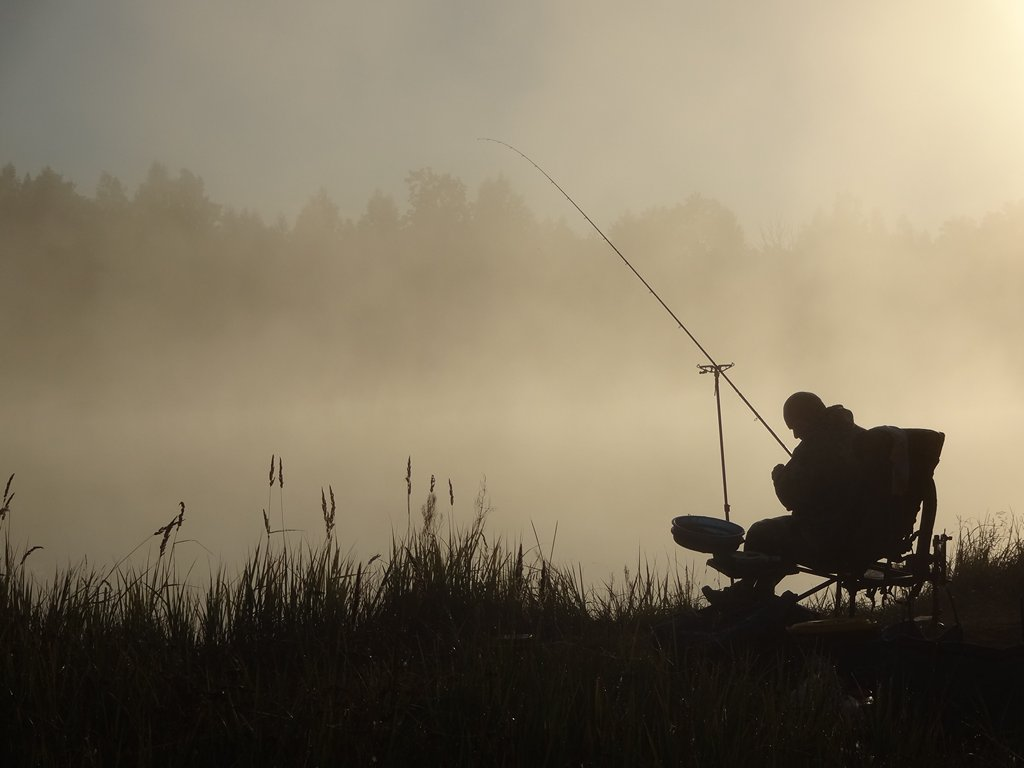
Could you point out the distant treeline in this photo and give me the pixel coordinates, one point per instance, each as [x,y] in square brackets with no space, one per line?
[454,280]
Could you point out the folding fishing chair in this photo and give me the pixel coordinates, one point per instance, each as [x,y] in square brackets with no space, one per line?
[895,555]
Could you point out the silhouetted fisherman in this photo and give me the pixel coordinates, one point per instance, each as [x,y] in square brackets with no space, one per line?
[826,487]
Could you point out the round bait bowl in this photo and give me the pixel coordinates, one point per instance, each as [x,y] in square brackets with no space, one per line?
[852,626]
[836,635]
[706,534]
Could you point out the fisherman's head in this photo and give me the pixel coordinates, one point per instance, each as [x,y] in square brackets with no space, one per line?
[803,412]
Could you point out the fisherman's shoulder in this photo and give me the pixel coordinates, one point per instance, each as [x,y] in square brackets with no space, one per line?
[840,418]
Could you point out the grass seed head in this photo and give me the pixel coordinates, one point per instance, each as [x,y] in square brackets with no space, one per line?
[429,512]
[167,535]
[328,514]
[29,552]
[8,498]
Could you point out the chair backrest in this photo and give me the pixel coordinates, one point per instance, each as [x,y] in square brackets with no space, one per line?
[902,466]
[925,447]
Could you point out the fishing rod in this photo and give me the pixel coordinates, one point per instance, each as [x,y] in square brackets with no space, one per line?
[654,293]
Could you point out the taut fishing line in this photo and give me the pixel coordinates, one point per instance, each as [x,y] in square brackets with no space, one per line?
[718,368]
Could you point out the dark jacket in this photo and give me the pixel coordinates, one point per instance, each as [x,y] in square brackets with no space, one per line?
[823,482]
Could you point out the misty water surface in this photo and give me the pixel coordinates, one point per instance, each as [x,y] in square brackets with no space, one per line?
[163,346]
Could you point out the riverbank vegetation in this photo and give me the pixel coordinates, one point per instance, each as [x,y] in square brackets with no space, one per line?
[451,649]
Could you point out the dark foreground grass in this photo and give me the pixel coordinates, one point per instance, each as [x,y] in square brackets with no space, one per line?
[454,649]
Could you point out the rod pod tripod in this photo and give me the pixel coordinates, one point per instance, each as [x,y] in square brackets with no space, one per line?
[717,370]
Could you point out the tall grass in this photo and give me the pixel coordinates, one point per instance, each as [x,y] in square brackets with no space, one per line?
[990,553]
[454,648]
[988,576]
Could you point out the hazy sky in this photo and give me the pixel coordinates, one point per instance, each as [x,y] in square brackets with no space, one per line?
[772,107]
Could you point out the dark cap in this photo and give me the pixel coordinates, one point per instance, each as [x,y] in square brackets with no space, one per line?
[802,409]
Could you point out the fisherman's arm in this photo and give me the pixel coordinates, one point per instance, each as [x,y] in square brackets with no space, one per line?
[782,479]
